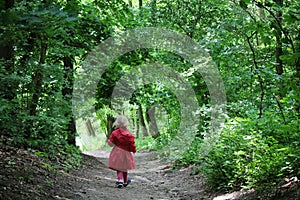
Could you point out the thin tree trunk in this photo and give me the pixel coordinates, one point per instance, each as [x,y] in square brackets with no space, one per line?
[137,125]
[37,79]
[150,116]
[262,92]
[279,51]
[142,121]
[298,77]
[67,95]
[109,124]
[130,3]
[90,128]
[7,54]
[36,85]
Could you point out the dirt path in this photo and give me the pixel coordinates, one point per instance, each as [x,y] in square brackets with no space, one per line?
[153,179]
[26,176]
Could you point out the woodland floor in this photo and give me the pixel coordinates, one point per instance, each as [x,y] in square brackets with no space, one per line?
[24,175]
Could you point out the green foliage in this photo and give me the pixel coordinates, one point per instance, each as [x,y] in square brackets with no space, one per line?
[62,155]
[102,114]
[245,156]
[69,156]
[246,39]
[192,156]
[40,37]
[149,143]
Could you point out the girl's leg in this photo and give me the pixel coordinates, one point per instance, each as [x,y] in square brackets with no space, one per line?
[120,176]
[126,179]
[120,179]
[125,174]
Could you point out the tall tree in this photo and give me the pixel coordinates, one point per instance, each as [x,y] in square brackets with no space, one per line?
[6,48]
[142,121]
[37,76]
[67,92]
[152,122]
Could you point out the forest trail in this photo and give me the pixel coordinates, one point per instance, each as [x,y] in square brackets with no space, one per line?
[27,176]
[153,178]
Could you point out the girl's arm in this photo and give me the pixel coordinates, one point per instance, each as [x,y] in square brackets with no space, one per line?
[110,143]
[132,145]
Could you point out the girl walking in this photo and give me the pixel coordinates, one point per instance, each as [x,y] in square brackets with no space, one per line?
[120,158]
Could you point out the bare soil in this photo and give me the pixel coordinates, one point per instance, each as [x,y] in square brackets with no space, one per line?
[23,175]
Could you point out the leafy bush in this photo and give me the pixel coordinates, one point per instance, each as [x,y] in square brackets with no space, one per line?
[246,157]
[147,143]
[63,156]
[154,144]
[47,137]
[191,156]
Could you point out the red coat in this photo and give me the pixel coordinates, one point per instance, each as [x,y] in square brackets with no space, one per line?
[120,157]
[123,139]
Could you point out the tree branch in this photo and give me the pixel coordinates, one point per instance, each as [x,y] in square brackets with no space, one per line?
[260,5]
[262,93]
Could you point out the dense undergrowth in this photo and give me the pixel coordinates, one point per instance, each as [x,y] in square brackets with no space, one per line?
[61,154]
[258,154]
[248,155]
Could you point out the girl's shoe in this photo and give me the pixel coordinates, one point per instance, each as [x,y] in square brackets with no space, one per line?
[119,184]
[128,182]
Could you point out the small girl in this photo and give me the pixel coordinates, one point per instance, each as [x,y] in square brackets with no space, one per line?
[120,158]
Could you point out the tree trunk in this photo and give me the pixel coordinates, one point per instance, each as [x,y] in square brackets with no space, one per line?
[90,127]
[36,85]
[130,3]
[142,121]
[37,79]
[298,77]
[279,51]
[7,53]
[137,125]
[67,95]
[150,116]
[140,3]
[109,125]
[72,127]
[260,80]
